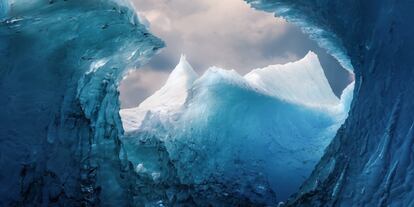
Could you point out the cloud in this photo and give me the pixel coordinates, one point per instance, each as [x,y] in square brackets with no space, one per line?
[212,32]
[163,62]
[140,85]
[224,33]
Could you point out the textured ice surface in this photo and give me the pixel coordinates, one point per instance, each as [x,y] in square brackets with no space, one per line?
[60,64]
[314,27]
[238,139]
[370,162]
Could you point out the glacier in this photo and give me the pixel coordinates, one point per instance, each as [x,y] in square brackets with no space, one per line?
[237,139]
[63,143]
[60,66]
[370,161]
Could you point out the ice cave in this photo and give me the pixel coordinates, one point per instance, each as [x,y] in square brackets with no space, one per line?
[217,138]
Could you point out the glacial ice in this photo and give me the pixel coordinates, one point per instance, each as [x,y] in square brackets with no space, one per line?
[370,161]
[60,132]
[60,65]
[235,138]
[282,81]
[165,101]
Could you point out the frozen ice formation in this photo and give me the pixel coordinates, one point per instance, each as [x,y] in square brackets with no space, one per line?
[166,100]
[302,82]
[370,161]
[235,138]
[60,65]
[62,141]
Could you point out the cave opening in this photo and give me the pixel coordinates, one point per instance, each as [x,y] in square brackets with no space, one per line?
[216,137]
[169,141]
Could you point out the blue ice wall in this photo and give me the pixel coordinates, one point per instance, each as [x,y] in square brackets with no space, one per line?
[371,160]
[61,61]
[60,65]
[227,140]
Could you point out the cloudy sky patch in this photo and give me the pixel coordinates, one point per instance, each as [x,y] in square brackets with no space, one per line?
[223,33]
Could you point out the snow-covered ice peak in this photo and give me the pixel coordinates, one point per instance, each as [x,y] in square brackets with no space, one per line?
[183,74]
[165,101]
[174,93]
[301,82]
[226,126]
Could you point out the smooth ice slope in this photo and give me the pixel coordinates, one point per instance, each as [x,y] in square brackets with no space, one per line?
[302,82]
[60,64]
[238,140]
[370,161]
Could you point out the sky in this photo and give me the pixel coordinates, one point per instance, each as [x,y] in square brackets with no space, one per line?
[224,33]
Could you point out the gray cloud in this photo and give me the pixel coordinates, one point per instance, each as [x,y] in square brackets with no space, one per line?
[162,62]
[139,85]
[224,33]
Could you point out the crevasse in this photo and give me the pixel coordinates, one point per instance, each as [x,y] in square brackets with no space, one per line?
[60,65]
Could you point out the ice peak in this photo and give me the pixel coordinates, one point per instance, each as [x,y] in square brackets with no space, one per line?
[174,92]
[166,100]
[183,73]
[312,55]
[183,58]
[302,82]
